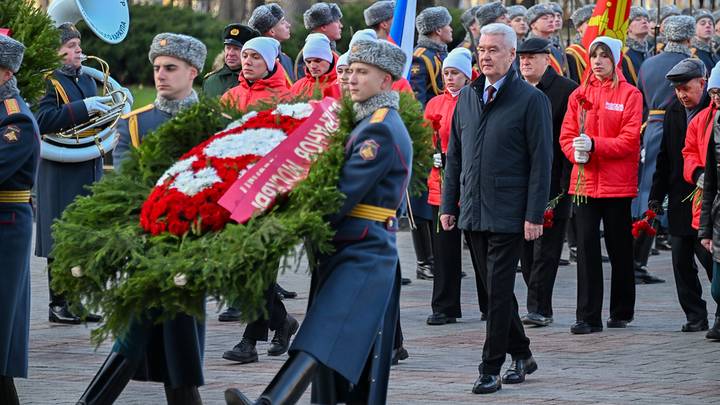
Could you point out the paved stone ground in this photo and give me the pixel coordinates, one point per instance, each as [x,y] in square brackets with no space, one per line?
[649,362]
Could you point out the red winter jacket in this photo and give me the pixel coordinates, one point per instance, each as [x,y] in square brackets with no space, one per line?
[305,87]
[694,153]
[442,107]
[270,89]
[613,120]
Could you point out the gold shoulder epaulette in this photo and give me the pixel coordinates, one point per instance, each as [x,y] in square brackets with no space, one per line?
[11,105]
[379,115]
[138,111]
[419,51]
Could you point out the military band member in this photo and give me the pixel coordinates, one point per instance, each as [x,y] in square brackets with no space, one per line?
[541,19]
[658,95]
[19,155]
[322,18]
[636,48]
[170,352]
[70,100]
[576,53]
[435,33]
[701,44]
[345,342]
[270,21]
[217,82]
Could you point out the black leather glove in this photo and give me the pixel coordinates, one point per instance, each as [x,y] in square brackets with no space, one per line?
[656,207]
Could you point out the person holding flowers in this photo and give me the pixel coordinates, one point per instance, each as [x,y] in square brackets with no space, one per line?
[688,78]
[600,135]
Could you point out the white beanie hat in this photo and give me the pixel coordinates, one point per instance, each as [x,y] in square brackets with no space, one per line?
[268,48]
[714,80]
[317,46]
[461,59]
[343,60]
[363,35]
[615,46]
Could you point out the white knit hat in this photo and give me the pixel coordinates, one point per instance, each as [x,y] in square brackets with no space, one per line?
[461,59]
[343,60]
[317,46]
[714,80]
[268,48]
[615,46]
[363,35]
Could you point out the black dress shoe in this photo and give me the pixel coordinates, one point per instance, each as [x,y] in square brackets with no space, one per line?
[518,369]
[654,252]
[584,328]
[697,326]
[573,254]
[643,276]
[93,318]
[229,315]
[662,243]
[463,274]
[281,341]
[243,352]
[62,314]
[714,332]
[618,323]
[405,281]
[233,396]
[399,354]
[439,318]
[487,384]
[285,293]
[424,271]
[533,318]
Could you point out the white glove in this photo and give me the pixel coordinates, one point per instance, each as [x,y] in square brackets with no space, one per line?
[582,143]
[97,104]
[437,160]
[642,155]
[581,157]
[700,181]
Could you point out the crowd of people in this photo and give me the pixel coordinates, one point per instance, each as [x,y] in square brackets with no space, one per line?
[536,144]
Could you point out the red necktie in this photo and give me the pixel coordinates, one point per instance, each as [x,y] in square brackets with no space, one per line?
[491,94]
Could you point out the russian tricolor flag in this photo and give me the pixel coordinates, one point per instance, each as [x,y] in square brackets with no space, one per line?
[402,31]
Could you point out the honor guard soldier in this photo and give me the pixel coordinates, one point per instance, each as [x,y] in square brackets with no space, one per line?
[172,351]
[657,44]
[19,155]
[701,44]
[541,19]
[379,17]
[345,341]
[576,53]
[433,25]
[517,15]
[658,95]
[636,48]
[270,21]
[70,100]
[322,18]
[472,29]
[217,82]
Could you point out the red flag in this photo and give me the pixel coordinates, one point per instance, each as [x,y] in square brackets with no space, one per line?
[610,18]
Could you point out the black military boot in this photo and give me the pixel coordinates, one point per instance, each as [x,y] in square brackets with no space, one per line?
[283,293]
[183,396]
[60,313]
[109,382]
[243,352]
[281,341]
[422,241]
[287,387]
[231,314]
[8,394]
[714,332]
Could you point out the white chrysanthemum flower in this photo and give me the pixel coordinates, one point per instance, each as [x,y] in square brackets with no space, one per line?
[249,142]
[76,271]
[178,167]
[242,120]
[191,183]
[297,111]
[180,279]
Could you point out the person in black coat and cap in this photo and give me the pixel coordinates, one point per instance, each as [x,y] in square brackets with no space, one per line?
[541,257]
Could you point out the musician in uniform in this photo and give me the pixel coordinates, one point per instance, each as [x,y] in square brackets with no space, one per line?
[576,53]
[433,25]
[345,341]
[270,21]
[70,100]
[19,155]
[636,48]
[217,82]
[170,352]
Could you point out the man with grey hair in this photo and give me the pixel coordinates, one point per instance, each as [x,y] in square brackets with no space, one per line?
[501,147]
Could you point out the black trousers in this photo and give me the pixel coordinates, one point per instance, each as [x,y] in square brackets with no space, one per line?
[540,261]
[615,215]
[447,251]
[479,283]
[689,289]
[497,255]
[55,298]
[276,315]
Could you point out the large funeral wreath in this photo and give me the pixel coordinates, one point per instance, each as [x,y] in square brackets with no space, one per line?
[153,237]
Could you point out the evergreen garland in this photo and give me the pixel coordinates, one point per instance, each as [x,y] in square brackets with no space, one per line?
[105,260]
[34,28]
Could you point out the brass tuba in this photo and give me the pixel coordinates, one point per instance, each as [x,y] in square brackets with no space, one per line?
[109,20]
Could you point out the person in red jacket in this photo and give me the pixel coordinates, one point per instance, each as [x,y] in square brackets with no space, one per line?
[457,73]
[600,135]
[320,73]
[262,79]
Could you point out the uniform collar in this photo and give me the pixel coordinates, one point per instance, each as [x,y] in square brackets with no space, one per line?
[172,107]
[700,45]
[426,42]
[389,99]
[635,45]
[677,48]
[9,89]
